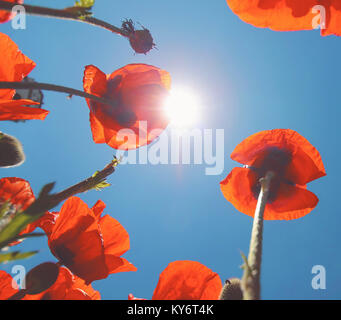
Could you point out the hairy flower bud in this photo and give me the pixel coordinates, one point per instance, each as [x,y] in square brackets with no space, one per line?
[41,278]
[11,151]
[231,290]
[140,40]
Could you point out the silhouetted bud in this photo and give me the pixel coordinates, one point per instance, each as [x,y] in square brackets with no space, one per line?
[11,151]
[140,40]
[41,277]
[231,290]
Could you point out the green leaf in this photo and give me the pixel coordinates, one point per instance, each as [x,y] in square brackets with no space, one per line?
[16,255]
[85,3]
[101,185]
[81,8]
[21,219]
[12,230]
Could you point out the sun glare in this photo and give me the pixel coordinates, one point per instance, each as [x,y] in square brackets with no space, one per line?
[182,107]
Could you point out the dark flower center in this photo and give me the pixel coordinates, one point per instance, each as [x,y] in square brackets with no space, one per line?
[276,160]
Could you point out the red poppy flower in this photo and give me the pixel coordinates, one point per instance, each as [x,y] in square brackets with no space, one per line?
[67,287]
[288,15]
[5,15]
[139,91]
[19,196]
[294,161]
[186,280]
[14,66]
[88,244]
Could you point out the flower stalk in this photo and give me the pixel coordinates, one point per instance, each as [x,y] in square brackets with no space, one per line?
[56,88]
[64,14]
[251,277]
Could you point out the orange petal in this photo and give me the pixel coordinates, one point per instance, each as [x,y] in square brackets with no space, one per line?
[115,237]
[6,288]
[187,280]
[15,110]
[287,15]
[306,163]
[14,64]
[292,202]
[116,264]
[16,190]
[137,74]
[98,208]
[237,189]
[94,81]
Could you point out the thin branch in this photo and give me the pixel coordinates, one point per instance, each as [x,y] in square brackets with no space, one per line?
[52,87]
[64,14]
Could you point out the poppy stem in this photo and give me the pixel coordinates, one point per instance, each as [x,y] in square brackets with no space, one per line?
[47,201]
[251,276]
[86,184]
[64,14]
[52,87]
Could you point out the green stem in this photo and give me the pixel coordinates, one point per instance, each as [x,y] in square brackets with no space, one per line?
[52,87]
[63,14]
[251,277]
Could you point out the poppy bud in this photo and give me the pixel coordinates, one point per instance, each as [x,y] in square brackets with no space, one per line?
[11,151]
[41,278]
[140,40]
[231,290]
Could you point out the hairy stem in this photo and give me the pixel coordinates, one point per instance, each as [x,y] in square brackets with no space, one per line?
[52,87]
[251,277]
[64,14]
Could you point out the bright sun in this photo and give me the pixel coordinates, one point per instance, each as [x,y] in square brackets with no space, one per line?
[182,107]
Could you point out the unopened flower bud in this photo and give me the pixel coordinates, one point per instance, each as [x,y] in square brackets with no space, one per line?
[231,290]
[41,277]
[140,40]
[11,151]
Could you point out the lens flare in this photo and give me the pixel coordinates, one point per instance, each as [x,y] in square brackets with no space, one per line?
[182,107]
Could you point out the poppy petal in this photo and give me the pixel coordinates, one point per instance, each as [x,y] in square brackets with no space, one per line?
[306,163]
[14,65]
[6,286]
[15,110]
[115,237]
[116,264]
[237,189]
[187,280]
[94,81]
[17,191]
[287,15]
[98,208]
[292,202]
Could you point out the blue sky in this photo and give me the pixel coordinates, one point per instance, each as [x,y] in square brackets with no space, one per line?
[249,80]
